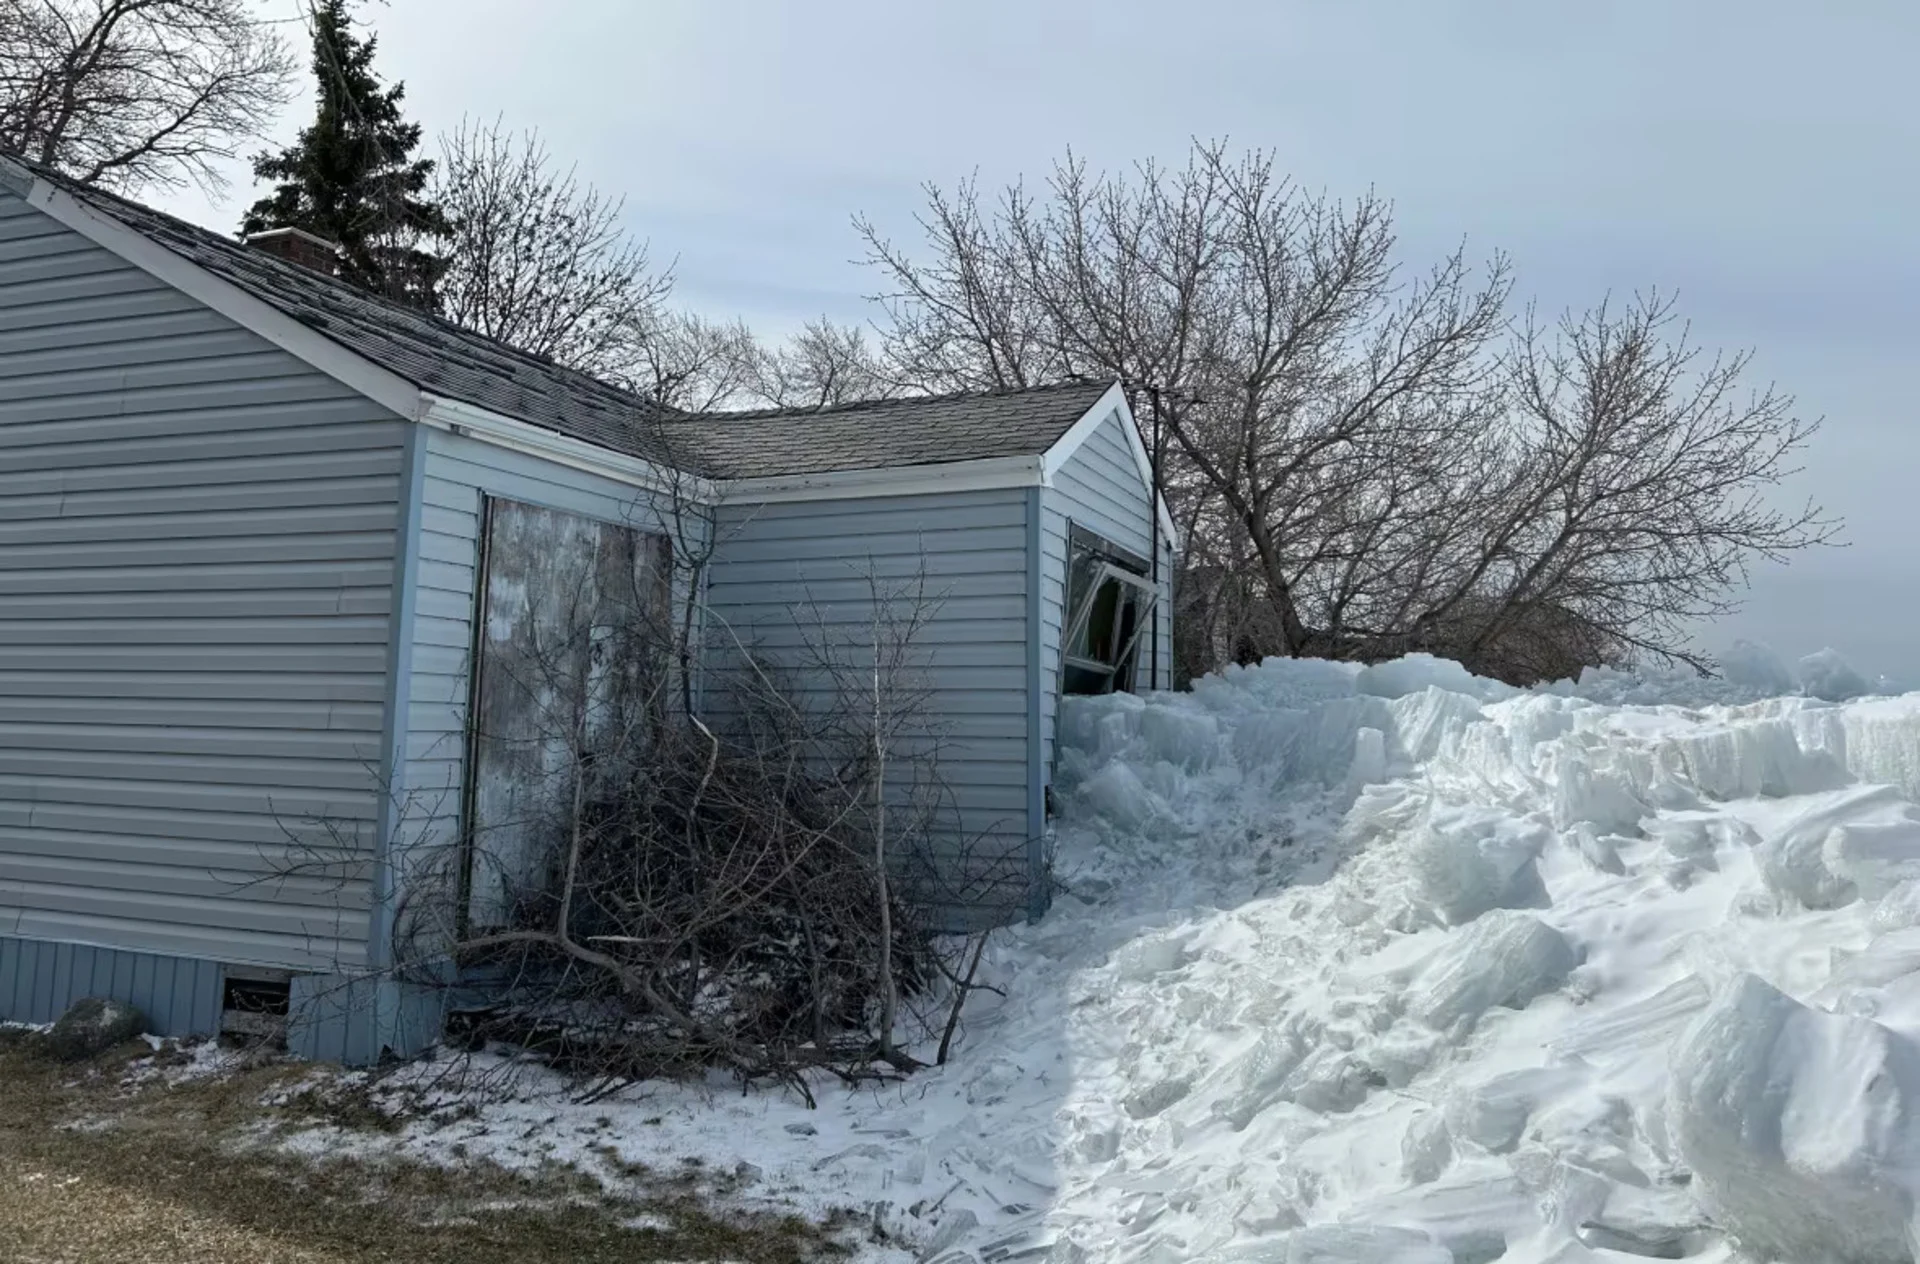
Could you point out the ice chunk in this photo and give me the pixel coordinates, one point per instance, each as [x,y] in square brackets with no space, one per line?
[1601,853]
[1467,862]
[1506,958]
[1256,1077]
[1820,856]
[1591,798]
[1313,745]
[1426,1149]
[1117,794]
[1876,856]
[1431,721]
[1330,1082]
[1886,959]
[1417,672]
[1898,909]
[1100,725]
[1657,1223]
[1800,1127]
[1470,1212]
[1749,756]
[1263,1213]
[1369,766]
[1794,867]
[1691,839]
[1824,674]
[1154,1098]
[1757,667]
[1357,1244]
[1267,741]
[1494,1114]
[1638,1024]
[1880,742]
[1151,955]
[1179,736]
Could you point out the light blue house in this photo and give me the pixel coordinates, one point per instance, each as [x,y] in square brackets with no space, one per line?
[251,524]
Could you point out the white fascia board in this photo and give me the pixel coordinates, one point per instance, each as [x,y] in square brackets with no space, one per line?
[487,426]
[1112,401]
[388,389]
[1110,405]
[986,474]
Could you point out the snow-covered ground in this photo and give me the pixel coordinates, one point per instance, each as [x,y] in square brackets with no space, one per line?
[1400,965]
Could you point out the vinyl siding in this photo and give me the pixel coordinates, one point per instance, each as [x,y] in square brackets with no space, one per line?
[457,473]
[177,996]
[362,1019]
[783,573]
[1099,488]
[197,559]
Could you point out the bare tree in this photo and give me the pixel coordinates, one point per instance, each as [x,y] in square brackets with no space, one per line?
[823,365]
[137,94]
[1640,486]
[691,364]
[537,259]
[1361,458]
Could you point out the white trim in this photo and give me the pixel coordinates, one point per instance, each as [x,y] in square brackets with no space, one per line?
[1113,400]
[895,480]
[502,431]
[1111,405]
[388,389]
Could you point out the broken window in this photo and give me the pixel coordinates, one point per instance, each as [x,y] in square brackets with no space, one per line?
[1109,604]
[571,644]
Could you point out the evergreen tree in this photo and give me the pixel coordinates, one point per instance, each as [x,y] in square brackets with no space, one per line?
[351,176]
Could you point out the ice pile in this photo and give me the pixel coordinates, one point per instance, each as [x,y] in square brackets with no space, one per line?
[1749,672]
[1394,963]
[1362,966]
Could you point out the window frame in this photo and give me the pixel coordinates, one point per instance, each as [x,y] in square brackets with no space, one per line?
[1119,565]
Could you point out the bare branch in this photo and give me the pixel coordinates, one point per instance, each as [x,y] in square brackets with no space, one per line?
[138,94]
[538,260]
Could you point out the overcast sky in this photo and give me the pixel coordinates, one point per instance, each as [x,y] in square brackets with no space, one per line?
[1761,158]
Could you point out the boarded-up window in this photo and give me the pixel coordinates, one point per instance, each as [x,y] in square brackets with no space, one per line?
[571,645]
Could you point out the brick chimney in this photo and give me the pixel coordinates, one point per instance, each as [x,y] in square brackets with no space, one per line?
[296,245]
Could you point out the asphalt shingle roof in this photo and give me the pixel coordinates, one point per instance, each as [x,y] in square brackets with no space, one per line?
[877,434]
[447,360]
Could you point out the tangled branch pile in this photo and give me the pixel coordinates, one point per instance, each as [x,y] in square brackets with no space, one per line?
[717,905]
[652,888]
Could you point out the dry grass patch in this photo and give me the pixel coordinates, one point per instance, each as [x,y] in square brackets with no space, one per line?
[94,1170]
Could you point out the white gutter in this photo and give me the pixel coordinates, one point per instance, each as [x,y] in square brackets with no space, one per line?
[457,417]
[900,480]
